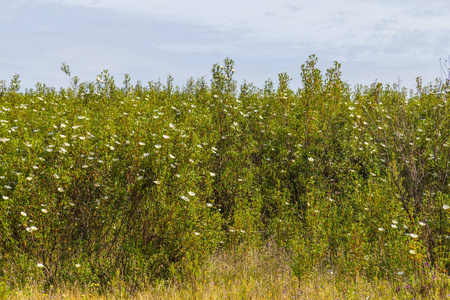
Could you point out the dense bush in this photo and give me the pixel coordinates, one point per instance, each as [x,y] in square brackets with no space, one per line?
[101,184]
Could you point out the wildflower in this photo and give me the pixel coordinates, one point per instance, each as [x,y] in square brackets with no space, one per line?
[157,182]
[191,193]
[23,213]
[445,207]
[395,222]
[29,178]
[400,273]
[209,205]
[44,210]
[212,174]
[393,226]
[146,154]
[39,265]
[33,228]
[171,156]
[196,233]
[185,198]
[165,136]
[141,143]
[4,140]
[157,146]
[380,228]
[422,223]
[413,252]
[77,265]
[414,236]
[5,198]
[60,190]
[112,148]
[28,144]
[310,159]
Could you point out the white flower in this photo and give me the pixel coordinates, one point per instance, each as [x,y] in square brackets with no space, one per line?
[310,159]
[60,190]
[191,193]
[111,147]
[209,205]
[44,210]
[39,265]
[23,213]
[414,236]
[5,198]
[185,198]
[422,223]
[380,228]
[157,182]
[196,233]
[77,265]
[56,176]
[412,252]
[400,273]
[62,150]
[33,228]
[393,226]
[212,174]
[395,222]
[29,178]
[171,156]
[141,143]
[157,146]
[165,136]
[445,207]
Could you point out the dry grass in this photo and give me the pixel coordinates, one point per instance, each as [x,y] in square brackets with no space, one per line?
[249,273]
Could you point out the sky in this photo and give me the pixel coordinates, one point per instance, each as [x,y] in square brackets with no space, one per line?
[390,41]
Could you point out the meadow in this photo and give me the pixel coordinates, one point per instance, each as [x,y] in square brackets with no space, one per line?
[214,191]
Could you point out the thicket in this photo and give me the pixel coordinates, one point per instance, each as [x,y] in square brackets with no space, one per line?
[107,185]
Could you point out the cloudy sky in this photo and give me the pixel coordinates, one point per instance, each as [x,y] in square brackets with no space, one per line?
[385,40]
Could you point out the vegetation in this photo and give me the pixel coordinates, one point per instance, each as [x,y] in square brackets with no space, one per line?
[104,187]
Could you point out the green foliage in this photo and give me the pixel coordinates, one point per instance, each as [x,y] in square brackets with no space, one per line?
[104,185]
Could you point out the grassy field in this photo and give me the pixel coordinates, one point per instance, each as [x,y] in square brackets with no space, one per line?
[216,191]
[254,273]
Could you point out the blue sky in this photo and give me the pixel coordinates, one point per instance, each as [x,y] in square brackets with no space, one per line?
[150,39]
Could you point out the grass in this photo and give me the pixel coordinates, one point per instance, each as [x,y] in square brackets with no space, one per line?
[254,273]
